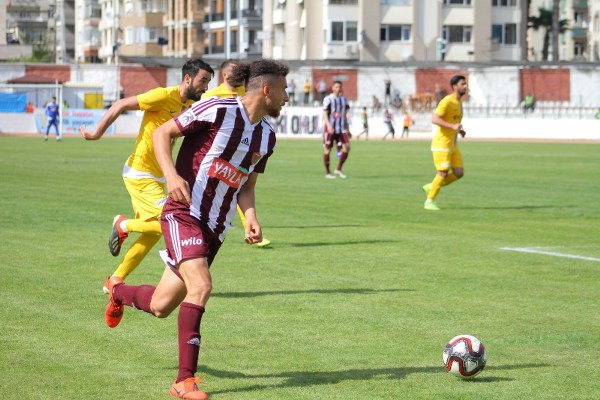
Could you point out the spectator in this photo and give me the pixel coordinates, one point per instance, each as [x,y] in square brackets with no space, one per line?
[292,93]
[439,94]
[387,98]
[529,103]
[397,102]
[322,89]
[376,104]
[307,87]
[29,107]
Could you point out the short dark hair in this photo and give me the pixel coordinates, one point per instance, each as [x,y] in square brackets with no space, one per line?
[340,82]
[193,66]
[253,73]
[456,78]
[227,63]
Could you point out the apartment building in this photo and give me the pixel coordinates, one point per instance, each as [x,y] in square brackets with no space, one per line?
[395,30]
[88,14]
[63,25]
[29,22]
[594,30]
[232,29]
[574,44]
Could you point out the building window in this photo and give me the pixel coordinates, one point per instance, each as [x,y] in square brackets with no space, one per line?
[344,31]
[578,49]
[129,35]
[504,34]
[458,2]
[146,35]
[504,3]
[457,33]
[391,33]
[343,2]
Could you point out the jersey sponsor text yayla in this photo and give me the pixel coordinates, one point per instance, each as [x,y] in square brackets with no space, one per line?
[226,173]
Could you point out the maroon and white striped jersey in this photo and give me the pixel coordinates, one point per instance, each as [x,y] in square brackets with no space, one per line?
[219,150]
[336,108]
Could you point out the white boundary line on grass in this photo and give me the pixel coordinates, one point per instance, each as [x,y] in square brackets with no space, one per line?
[549,253]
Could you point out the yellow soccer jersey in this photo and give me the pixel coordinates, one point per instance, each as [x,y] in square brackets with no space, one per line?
[450,110]
[222,92]
[159,105]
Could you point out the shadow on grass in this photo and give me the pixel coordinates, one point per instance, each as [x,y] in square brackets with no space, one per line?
[233,295]
[346,243]
[313,226]
[524,207]
[312,378]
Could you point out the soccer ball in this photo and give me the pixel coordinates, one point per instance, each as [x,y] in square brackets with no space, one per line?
[465,356]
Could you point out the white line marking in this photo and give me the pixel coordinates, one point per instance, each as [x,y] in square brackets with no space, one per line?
[548,253]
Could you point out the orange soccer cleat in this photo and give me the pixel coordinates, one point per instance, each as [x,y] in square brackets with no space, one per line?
[114,311]
[117,236]
[188,389]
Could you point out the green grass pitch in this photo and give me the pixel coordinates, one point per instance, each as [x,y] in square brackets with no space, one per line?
[356,297]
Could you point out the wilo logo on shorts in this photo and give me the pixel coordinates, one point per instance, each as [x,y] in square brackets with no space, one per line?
[227,173]
[191,242]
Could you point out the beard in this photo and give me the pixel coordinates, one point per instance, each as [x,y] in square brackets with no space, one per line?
[191,95]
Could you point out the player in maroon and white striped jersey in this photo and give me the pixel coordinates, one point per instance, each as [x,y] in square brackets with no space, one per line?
[337,129]
[226,144]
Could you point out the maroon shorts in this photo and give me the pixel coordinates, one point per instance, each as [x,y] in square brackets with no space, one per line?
[335,137]
[186,237]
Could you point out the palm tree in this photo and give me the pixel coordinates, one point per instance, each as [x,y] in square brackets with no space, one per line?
[544,20]
[555,28]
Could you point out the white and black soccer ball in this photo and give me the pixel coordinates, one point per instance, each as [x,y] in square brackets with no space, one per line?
[465,356]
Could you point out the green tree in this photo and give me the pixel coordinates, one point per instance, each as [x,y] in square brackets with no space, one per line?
[544,21]
[40,48]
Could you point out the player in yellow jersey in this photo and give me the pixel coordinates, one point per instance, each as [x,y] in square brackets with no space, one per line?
[229,88]
[142,175]
[444,146]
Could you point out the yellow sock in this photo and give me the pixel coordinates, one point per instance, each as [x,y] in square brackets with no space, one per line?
[136,253]
[242,217]
[138,225]
[436,185]
[449,179]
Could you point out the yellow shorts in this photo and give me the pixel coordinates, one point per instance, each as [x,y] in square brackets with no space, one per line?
[447,160]
[147,197]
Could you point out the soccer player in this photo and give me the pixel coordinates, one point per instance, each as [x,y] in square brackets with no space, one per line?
[444,146]
[52,110]
[229,88]
[227,143]
[365,120]
[142,175]
[336,116]
[388,119]
[406,121]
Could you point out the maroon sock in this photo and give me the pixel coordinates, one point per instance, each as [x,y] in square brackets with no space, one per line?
[188,326]
[326,159]
[342,161]
[134,296]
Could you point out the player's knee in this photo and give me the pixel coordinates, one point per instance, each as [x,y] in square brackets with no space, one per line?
[459,173]
[161,310]
[200,290]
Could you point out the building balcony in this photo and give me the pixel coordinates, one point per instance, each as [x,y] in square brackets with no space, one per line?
[578,33]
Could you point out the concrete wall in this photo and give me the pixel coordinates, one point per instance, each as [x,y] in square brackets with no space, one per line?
[306,122]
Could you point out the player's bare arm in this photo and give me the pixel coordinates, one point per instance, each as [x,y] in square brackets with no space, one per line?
[177,187]
[118,107]
[436,119]
[246,202]
[328,127]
